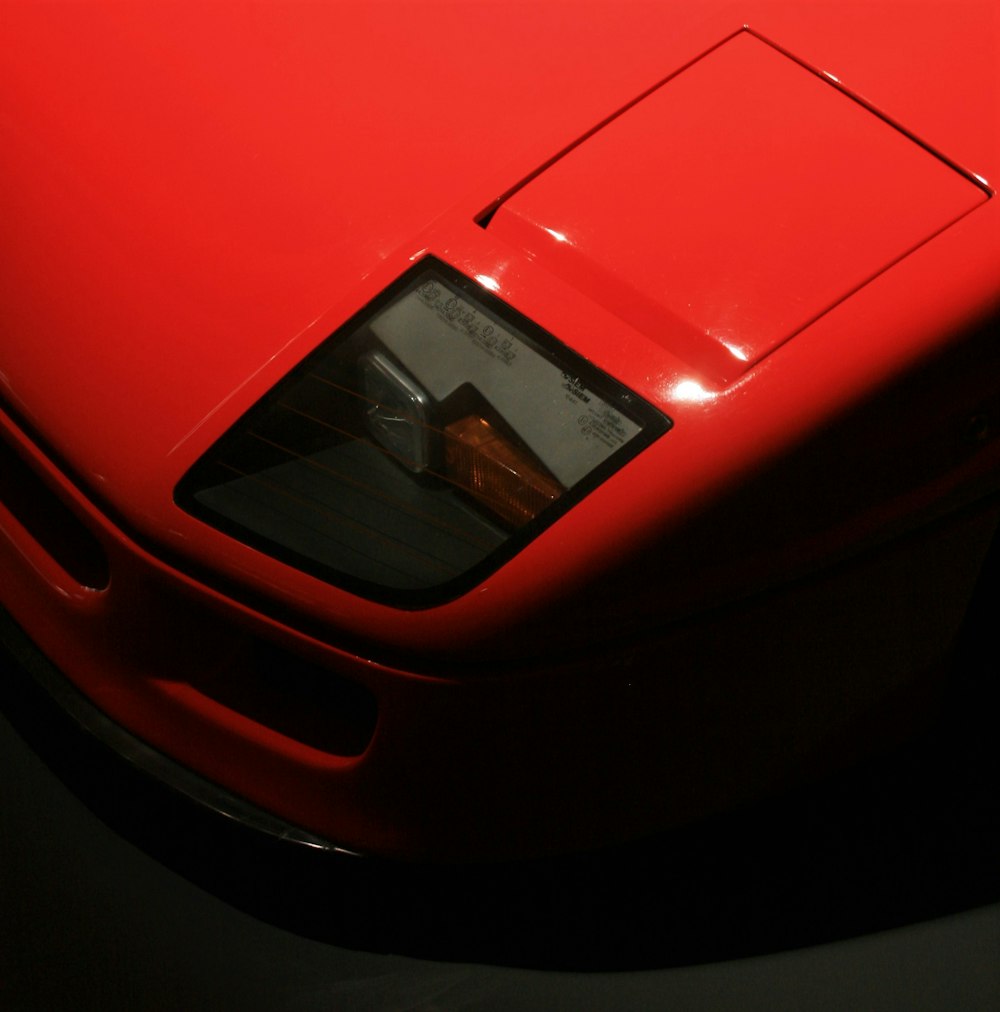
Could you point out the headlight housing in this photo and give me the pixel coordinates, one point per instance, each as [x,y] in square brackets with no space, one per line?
[420,446]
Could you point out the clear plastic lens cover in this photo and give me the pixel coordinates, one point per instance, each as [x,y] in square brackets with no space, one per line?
[422,445]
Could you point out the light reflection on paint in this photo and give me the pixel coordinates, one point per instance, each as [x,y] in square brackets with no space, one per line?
[735,350]
[691,391]
[558,236]
[487,282]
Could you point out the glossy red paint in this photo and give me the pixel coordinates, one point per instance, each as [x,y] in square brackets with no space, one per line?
[736,204]
[197,196]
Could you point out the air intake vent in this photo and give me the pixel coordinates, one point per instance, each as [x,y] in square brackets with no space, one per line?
[301,701]
[52,524]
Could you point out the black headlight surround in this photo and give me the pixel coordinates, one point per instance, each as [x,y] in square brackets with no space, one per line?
[214,469]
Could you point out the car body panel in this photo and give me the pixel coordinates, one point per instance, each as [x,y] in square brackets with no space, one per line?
[734,205]
[195,197]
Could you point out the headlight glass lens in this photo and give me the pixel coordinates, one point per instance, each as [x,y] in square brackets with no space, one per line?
[421,445]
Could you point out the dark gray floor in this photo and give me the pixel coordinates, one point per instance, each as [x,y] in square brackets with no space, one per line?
[91,922]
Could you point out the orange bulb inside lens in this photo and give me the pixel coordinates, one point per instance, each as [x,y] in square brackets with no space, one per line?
[496,472]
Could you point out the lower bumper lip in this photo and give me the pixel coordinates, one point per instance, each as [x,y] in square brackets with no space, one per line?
[22,653]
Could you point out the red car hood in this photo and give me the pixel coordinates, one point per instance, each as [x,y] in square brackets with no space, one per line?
[195,195]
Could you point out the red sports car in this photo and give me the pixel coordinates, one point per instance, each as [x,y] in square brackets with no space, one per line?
[477,430]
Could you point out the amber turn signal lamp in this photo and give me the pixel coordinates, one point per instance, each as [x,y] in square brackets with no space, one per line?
[497,473]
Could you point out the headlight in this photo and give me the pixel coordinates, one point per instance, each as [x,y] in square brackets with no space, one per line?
[420,446]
